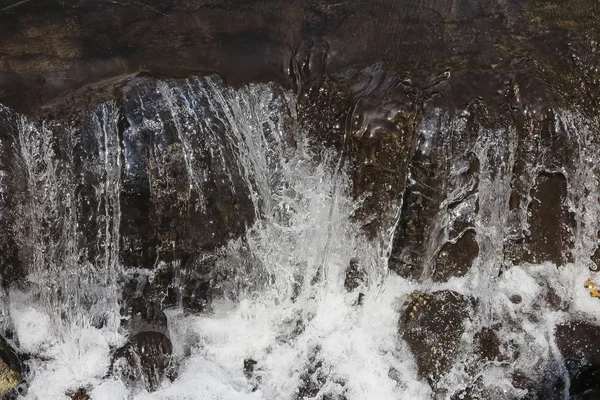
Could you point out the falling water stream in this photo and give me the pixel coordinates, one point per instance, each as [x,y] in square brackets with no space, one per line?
[283,305]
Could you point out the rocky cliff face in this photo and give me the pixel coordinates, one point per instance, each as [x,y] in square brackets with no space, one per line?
[466,132]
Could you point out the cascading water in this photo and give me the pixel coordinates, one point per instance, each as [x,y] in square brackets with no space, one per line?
[73,184]
[284,321]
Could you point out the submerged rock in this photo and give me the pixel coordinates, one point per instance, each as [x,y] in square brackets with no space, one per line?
[432,325]
[356,276]
[79,394]
[315,380]
[579,344]
[487,344]
[145,361]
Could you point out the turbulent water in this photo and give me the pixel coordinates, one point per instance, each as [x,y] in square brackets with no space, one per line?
[282,307]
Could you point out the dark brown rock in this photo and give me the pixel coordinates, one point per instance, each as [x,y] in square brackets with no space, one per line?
[145,361]
[12,192]
[372,127]
[167,212]
[421,200]
[455,259]
[45,42]
[487,344]
[550,224]
[432,324]
[440,202]
[579,344]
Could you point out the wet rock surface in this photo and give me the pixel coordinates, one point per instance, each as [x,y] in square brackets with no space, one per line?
[356,276]
[79,394]
[550,223]
[578,344]
[11,371]
[459,124]
[432,324]
[456,259]
[487,344]
[145,361]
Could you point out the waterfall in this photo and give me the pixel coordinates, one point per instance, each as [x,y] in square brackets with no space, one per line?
[242,229]
[69,220]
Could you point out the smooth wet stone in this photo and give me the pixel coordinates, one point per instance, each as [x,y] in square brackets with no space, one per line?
[550,224]
[145,361]
[456,259]
[432,325]
[421,201]
[99,45]
[440,201]
[579,344]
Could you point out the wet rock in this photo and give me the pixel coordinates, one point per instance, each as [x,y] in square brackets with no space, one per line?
[374,128]
[555,301]
[183,190]
[578,343]
[11,370]
[440,201]
[313,377]
[316,382]
[356,276]
[254,379]
[11,193]
[421,201]
[101,42]
[191,283]
[432,324]
[516,299]
[550,224]
[249,367]
[455,259]
[145,361]
[79,394]
[141,306]
[487,344]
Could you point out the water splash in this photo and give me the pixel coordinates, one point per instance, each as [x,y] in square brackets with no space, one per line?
[285,325]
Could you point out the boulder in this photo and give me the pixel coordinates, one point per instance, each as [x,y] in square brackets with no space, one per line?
[145,361]
[432,325]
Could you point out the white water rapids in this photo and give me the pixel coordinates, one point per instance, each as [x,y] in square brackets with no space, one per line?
[287,309]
